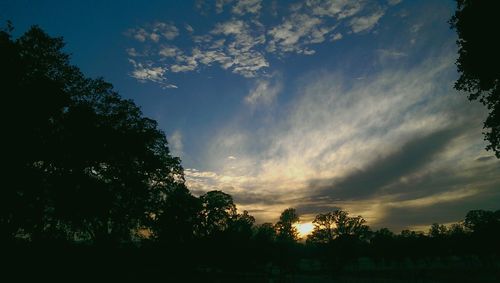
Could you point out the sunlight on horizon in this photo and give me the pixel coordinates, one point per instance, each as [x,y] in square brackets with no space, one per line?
[304,228]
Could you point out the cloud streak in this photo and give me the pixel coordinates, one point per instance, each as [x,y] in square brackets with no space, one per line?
[265,91]
[363,146]
[370,180]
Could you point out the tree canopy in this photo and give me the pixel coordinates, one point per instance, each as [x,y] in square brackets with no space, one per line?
[285,229]
[79,159]
[476,23]
[337,224]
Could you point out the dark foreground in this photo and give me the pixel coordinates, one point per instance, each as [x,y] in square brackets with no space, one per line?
[174,264]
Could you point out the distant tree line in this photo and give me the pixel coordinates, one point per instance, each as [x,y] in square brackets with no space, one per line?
[89,180]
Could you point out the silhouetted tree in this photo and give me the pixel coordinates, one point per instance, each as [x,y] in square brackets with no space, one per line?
[479,60]
[324,229]
[82,162]
[285,229]
[438,231]
[383,233]
[218,210]
[337,224]
[265,233]
[177,217]
[457,229]
[241,226]
[382,243]
[481,220]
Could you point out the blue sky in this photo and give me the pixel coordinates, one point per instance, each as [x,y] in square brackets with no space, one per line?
[313,104]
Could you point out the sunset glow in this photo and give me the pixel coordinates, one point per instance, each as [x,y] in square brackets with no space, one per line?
[304,228]
[317,105]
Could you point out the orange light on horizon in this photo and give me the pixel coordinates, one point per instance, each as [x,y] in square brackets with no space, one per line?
[304,228]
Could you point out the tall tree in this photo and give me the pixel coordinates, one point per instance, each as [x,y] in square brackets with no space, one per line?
[218,210]
[285,229]
[177,217]
[476,23]
[80,159]
[241,226]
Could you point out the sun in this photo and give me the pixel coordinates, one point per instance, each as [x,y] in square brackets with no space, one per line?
[304,228]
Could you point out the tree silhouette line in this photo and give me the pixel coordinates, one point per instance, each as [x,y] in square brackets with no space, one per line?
[90,182]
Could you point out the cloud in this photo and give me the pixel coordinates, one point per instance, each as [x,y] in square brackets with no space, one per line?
[394,2]
[169,51]
[339,9]
[365,23]
[288,36]
[219,5]
[387,54]
[132,52]
[233,27]
[145,73]
[154,32]
[373,142]
[189,28]
[240,53]
[168,30]
[485,158]
[337,36]
[184,63]
[370,180]
[150,73]
[139,34]
[243,7]
[264,91]
[244,45]
[176,144]
[398,146]
[447,207]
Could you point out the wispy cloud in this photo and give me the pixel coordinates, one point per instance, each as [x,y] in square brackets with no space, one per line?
[390,54]
[176,145]
[365,23]
[394,143]
[364,147]
[264,91]
[394,2]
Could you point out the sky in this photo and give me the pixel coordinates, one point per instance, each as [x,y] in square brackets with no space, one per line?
[317,105]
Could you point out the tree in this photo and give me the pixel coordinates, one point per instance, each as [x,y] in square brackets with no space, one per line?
[382,243]
[80,160]
[383,233]
[324,229]
[241,226]
[438,231]
[218,210]
[285,229]
[265,234]
[337,224]
[177,217]
[479,59]
[483,221]
[457,230]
